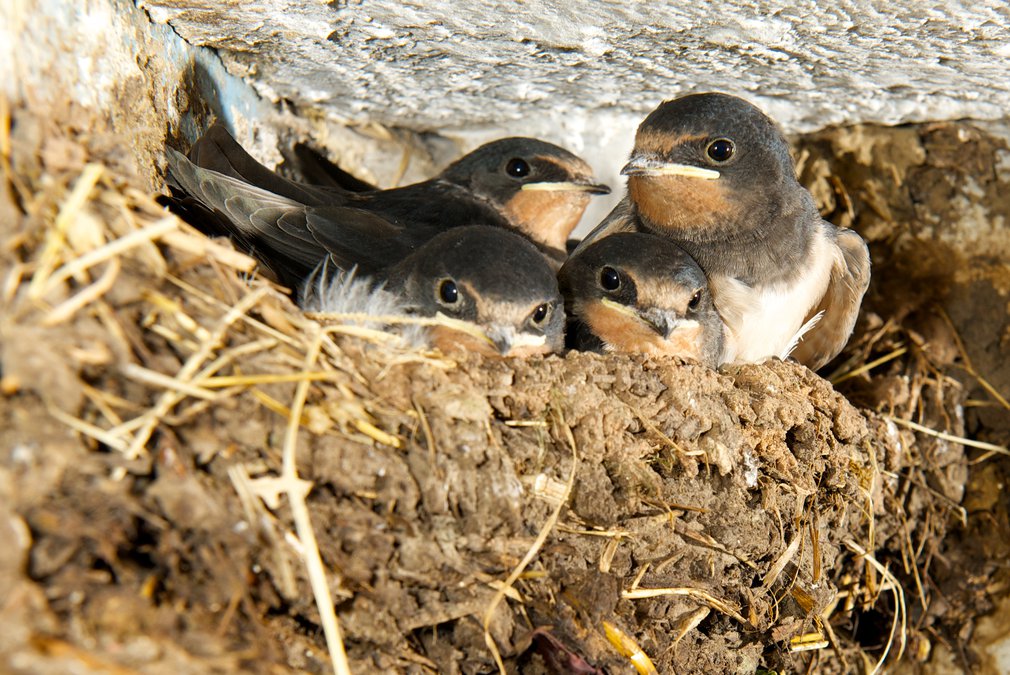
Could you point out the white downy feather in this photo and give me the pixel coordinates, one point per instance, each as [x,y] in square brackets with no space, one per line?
[344,292]
[799,335]
[766,322]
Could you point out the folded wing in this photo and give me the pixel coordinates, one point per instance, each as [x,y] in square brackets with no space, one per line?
[850,276]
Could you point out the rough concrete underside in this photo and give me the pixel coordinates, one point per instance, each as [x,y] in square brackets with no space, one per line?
[446,64]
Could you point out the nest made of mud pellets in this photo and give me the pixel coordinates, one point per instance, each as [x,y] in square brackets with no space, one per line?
[225,466]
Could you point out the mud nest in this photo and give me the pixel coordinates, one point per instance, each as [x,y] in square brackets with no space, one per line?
[200,478]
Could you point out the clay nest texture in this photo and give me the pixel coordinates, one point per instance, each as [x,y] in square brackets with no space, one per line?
[199,478]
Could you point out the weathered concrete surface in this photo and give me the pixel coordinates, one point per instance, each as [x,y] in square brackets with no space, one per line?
[448,64]
[106,59]
[139,83]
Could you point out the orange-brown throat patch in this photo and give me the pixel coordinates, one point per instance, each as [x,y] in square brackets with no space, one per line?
[681,203]
[622,333]
[547,216]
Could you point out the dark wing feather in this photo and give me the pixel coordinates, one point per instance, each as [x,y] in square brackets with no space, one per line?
[850,277]
[620,219]
[252,214]
[317,170]
[354,237]
[218,151]
[282,232]
[291,238]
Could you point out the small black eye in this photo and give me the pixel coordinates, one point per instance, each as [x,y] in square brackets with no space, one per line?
[695,300]
[517,168]
[720,150]
[610,280]
[540,313]
[447,292]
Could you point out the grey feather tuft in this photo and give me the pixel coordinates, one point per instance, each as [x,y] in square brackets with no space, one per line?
[331,290]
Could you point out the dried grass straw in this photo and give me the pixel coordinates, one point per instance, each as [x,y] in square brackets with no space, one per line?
[900,613]
[535,548]
[296,490]
[991,448]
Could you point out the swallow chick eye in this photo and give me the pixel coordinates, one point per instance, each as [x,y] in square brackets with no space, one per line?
[695,300]
[540,313]
[448,294]
[610,280]
[720,150]
[517,168]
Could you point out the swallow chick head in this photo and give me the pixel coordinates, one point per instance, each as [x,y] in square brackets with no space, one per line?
[638,292]
[540,188]
[493,289]
[704,164]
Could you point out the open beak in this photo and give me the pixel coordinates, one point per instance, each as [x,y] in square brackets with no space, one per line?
[569,186]
[647,166]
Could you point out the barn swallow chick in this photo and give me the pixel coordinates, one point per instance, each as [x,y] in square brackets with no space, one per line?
[491,290]
[530,186]
[638,292]
[713,174]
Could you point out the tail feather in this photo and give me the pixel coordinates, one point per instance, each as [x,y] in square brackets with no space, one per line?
[320,171]
[218,151]
[289,234]
[271,225]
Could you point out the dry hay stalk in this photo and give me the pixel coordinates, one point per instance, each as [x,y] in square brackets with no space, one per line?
[969,366]
[170,397]
[626,646]
[42,284]
[296,490]
[195,378]
[991,448]
[537,543]
[439,319]
[696,593]
[783,559]
[867,367]
[900,614]
[808,642]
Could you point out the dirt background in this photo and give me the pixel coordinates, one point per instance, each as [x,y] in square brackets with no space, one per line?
[763,505]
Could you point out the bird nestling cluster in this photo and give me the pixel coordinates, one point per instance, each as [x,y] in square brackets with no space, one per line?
[716,254]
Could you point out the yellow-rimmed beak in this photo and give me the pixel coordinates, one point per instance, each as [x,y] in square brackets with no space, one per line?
[507,339]
[647,166]
[495,339]
[623,309]
[568,186]
[664,322]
